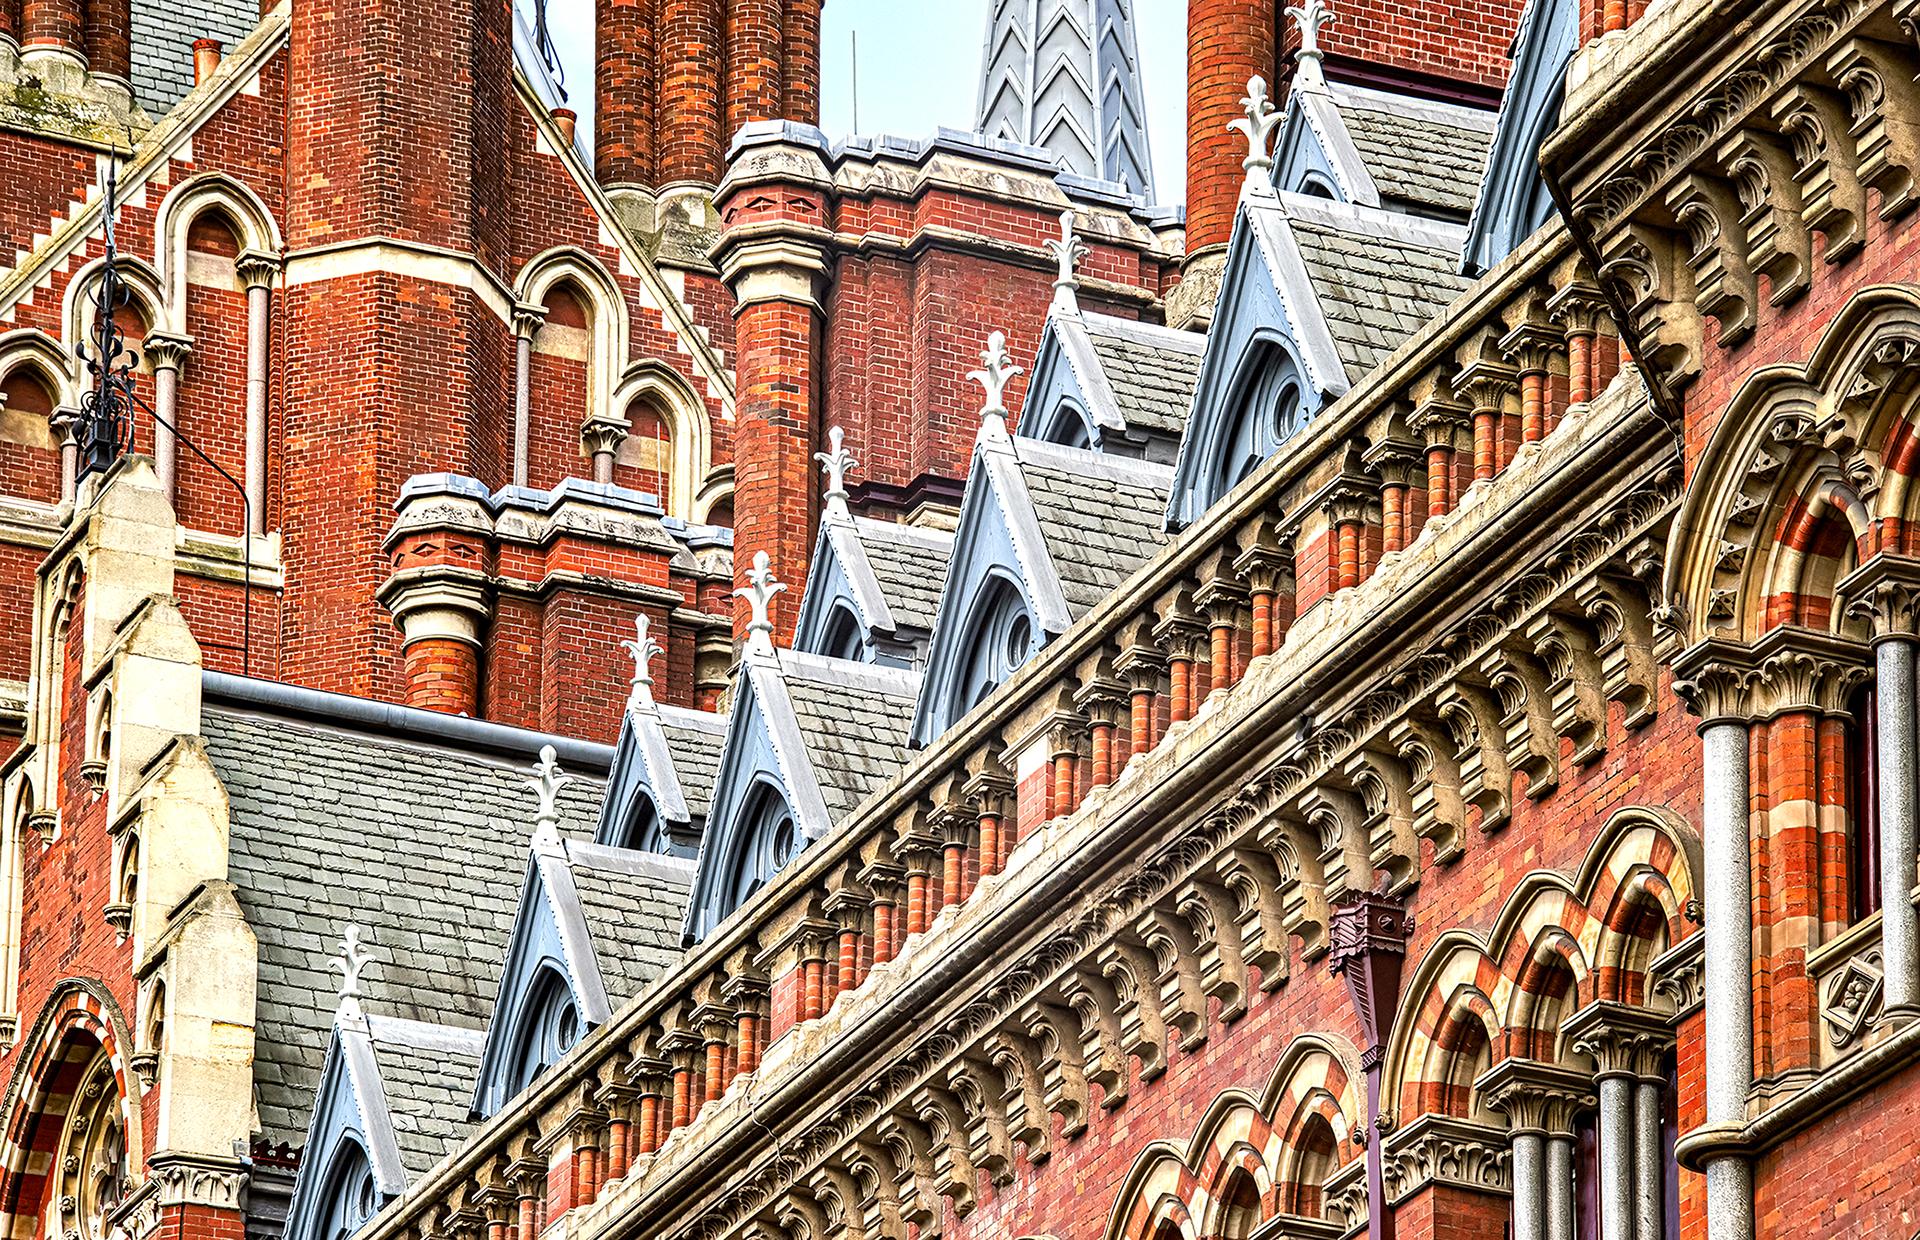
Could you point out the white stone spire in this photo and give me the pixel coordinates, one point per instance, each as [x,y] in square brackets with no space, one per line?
[761,586]
[836,462]
[643,649]
[1065,74]
[996,371]
[1067,251]
[1257,128]
[1311,16]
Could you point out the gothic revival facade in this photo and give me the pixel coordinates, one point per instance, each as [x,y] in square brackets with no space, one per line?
[674,678]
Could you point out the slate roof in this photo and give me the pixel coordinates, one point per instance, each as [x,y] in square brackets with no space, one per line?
[424,848]
[634,904]
[163,34]
[427,1072]
[910,563]
[1151,369]
[694,739]
[854,718]
[1375,288]
[1102,516]
[1418,151]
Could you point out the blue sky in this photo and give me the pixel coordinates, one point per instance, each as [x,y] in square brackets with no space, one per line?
[920,68]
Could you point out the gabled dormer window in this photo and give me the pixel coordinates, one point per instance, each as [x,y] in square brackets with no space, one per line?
[844,637]
[549,1026]
[1266,414]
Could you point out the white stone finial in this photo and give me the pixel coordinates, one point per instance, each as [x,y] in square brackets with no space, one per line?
[1067,251]
[1257,127]
[1311,16]
[643,648]
[996,372]
[837,461]
[761,586]
[546,783]
[350,964]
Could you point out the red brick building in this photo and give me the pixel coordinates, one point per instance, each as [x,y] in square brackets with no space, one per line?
[1432,756]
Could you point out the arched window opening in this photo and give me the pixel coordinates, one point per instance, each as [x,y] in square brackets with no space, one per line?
[90,1170]
[1547,999]
[350,1199]
[769,841]
[844,638]
[1317,1158]
[1315,187]
[1863,806]
[1240,1209]
[549,1026]
[645,459]
[641,831]
[1168,1230]
[1069,427]
[721,514]
[1472,1056]
[29,449]
[1266,416]
[558,388]
[1002,639]
[210,408]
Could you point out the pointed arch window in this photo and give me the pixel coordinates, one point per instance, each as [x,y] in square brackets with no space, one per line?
[351,1197]
[1266,415]
[770,840]
[844,637]
[1003,639]
[549,1026]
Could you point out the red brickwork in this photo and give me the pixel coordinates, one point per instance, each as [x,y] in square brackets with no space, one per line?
[1228,42]
[774,475]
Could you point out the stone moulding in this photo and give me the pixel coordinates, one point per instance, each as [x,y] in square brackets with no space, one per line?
[1438,1149]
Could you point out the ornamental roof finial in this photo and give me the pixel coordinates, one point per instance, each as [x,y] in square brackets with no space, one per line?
[350,964]
[761,586]
[642,647]
[1311,16]
[996,372]
[1257,127]
[1067,251]
[837,461]
[546,783]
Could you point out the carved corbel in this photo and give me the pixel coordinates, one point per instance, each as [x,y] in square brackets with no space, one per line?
[1054,1033]
[840,1201]
[1622,621]
[1883,106]
[1176,972]
[1519,684]
[1725,287]
[877,1181]
[1815,123]
[949,1152]
[1302,890]
[1771,212]
[1568,654]
[1472,718]
[907,1150]
[1384,787]
[1131,971]
[1337,821]
[1023,1094]
[1103,1046]
[1213,916]
[1252,880]
[1644,266]
[981,1091]
[1434,795]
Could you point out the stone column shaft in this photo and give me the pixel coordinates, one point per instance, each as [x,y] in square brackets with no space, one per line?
[1898,785]
[1649,1161]
[259,308]
[522,405]
[1559,1189]
[1617,1158]
[1729,979]
[1529,1184]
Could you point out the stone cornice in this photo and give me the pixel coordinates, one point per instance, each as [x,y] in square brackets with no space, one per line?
[1438,1149]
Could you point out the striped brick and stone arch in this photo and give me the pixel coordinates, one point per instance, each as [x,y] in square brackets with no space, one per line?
[72,1133]
[1557,944]
[669,445]
[1807,474]
[37,378]
[207,198]
[573,332]
[1251,1158]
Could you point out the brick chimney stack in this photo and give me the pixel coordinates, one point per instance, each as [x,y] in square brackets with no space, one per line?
[1228,42]
[675,79]
[394,162]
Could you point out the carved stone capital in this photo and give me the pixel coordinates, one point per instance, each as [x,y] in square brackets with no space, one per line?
[1535,1096]
[1579,308]
[528,319]
[1532,347]
[601,437]
[1486,386]
[1885,592]
[1622,1039]
[175,1180]
[167,350]
[1397,461]
[436,601]
[1438,1149]
[1439,419]
[1679,976]
[256,268]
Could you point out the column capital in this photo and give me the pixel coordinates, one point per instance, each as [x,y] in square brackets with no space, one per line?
[1536,1097]
[256,268]
[528,318]
[1485,385]
[1789,669]
[603,436]
[1101,700]
[1532,346]
[775,263]
[1623,1040]
[1349,498]
[1439,419]
[167,350]
[437,601]
[1885,592]
[1578,308]
[1396,460]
